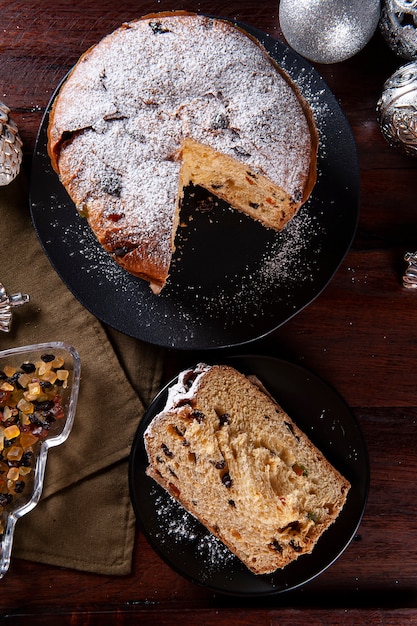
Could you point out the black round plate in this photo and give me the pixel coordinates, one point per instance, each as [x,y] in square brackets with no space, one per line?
[190,549]
[232,280]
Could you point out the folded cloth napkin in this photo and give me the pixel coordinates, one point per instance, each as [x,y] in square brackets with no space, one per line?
[84,519]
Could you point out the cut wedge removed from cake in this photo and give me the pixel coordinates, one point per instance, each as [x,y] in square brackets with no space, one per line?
[169,100]
[226,451]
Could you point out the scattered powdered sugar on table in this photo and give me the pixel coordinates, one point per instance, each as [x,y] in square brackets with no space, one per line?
[290,259]
[179,525]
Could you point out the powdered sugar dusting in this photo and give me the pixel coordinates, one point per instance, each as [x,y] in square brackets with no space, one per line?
[157,83]
[180,526]
[130,102]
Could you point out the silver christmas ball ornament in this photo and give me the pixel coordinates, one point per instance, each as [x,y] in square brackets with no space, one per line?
[397,109]
[10,147]
[328,31]
[398,25]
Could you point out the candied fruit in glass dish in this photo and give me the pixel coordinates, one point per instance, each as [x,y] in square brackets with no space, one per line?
[38,397]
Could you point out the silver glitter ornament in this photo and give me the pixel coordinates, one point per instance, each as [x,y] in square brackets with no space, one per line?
[397,109]
[398,25]
[6,305]
[328,31]
[10,147]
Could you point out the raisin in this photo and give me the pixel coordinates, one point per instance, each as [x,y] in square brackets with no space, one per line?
[5,499]
[220,464]
[294,526]
[26,459]
[45,384]
[291,429]
[47,358]
[67,135]
[28,368]
[227,481]
[219,121]
[120,252]
[254,205]
[240,152]
[232,503]
[112,184]
[177,430]
[224,419]
[274,545]
[166,451]
[199,416]
[46,405]
[295,547]
[158,28]
[12,380]
[19,486]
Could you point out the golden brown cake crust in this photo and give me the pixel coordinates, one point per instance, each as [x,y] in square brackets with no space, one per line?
[118,125]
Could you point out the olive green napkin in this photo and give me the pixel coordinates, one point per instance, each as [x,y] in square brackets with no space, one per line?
[84,519]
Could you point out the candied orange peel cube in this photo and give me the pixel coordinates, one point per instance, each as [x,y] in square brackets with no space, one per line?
[25,406]
[27,440]
[11,432]
[14,453]
[9,370]
[6,386]
[13,473]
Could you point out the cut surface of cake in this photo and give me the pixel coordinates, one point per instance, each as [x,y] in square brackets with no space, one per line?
[234,459]
[169,100]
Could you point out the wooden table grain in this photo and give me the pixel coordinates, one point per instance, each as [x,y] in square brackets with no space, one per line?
[360,335]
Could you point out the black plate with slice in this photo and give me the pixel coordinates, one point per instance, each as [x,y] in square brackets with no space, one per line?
[232,280]
[190,549]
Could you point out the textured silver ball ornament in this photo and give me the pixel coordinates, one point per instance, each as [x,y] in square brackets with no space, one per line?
[397,109]
[398,25]
[328,31]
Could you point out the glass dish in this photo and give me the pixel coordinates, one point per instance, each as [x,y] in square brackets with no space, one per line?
[27,432]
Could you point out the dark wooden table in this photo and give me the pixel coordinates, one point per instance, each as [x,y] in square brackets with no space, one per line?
[360,335]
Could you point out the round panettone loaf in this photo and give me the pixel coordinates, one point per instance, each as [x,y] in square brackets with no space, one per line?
[234,459]
[166,101]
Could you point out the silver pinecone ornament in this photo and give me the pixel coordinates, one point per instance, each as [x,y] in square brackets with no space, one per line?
[10,147]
